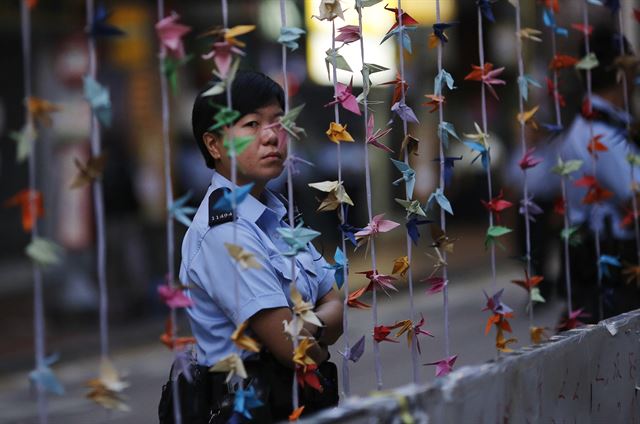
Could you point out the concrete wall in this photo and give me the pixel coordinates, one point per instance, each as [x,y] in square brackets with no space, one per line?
[587,375]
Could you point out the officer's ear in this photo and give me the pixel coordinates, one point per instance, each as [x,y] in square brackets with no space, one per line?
[213,143]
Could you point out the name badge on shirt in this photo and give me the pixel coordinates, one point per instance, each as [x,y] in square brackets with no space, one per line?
[218,216]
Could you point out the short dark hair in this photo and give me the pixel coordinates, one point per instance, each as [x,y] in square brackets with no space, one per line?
[250,91]
[605,43]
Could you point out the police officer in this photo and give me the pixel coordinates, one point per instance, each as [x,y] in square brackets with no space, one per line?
[223,294]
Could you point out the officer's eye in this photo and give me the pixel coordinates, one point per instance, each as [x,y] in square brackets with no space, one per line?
[252,124]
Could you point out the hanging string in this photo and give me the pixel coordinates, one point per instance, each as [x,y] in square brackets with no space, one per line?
[290,208]
[443,217]
[414,340]
[336,111]
[523,144]
[587,47]
[168,186]
[38,296]
[98,201]
[492,247]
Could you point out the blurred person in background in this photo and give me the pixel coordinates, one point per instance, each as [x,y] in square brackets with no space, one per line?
[225,295]
[601,205]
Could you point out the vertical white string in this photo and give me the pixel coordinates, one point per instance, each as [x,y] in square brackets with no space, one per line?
[38,296]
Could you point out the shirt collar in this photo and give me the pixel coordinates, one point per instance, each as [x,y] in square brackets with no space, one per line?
[252,208]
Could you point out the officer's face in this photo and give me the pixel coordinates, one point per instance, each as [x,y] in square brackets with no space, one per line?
[262,160]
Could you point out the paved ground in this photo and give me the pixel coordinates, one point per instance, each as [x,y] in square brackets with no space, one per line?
[147,365]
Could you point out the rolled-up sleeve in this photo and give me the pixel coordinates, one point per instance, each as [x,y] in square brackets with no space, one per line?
[239,292]
[324,275]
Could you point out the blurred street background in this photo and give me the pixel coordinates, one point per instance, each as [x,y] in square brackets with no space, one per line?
[135,199]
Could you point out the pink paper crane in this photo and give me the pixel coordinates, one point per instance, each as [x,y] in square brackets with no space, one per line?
[444,366]
[174,297]
[345,97]
[376,226]
[170,33]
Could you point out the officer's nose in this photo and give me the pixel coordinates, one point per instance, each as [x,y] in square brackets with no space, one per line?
[269,135]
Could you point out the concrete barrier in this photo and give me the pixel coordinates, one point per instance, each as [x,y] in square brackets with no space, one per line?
[587,375]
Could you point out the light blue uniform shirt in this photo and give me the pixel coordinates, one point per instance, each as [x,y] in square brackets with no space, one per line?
[213,276]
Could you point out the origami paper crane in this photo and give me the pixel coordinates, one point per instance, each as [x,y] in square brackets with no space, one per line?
[243,341]
[42,376]
[348,231]
[435,102]
[584,29]
[441,79]
[106,389]
[488,76]
[550,21]
[353,302]
[99,26]
[339,267]
[537,334]
[526,117]
[552,5]
[355,352]
[295,414]
[438,34]
[568,167]
[449,162]
[337,195]
[497,205]
[408,176]
[25,138]
[530,34]
[495,304]
[286,125]
[595,145]
[404,18]
[300,356]
[553,91]
[607,261]
[412,207]
[31,207]
[437,284]
[528,160]
[174,297]
[303,310]
[329,10]
[381,334]
[439,197]
[412,330]
[222,51]
[41,110]
[373,137]
[229,197]
[400,88]
[532,208]
[444,366]
[291,163]
[588,62]
[338,133]
[410,144]
[485,9]
[523,84]
[348,34]
[632,273]
[297,238]
[595,192]
[502,343]
[376,226]
[231,364]
[446,129]
[244,400]
[412,228]
[494,232]
[404,112]
[170,67]
[179,210]
[441,240]
[170,33]
[573,320]
[289,36]
[308,376]
[377,281]
[401,266]
[98,97]
[244,258]
[170,341]
[44,252]
[345,98]
[90,171]
[335,59]
[562,61]
[366,71]
[529,284]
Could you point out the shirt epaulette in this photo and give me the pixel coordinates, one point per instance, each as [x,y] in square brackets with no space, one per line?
[218,216]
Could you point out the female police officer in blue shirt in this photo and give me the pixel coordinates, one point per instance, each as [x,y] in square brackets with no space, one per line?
[207,268]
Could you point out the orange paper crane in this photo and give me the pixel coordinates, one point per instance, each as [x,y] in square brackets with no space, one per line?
[30,202]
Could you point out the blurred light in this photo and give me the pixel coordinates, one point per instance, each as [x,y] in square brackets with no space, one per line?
[269,21]
[376,21]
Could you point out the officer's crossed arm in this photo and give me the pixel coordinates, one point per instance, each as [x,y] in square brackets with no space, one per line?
[329,309]
[267,326]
